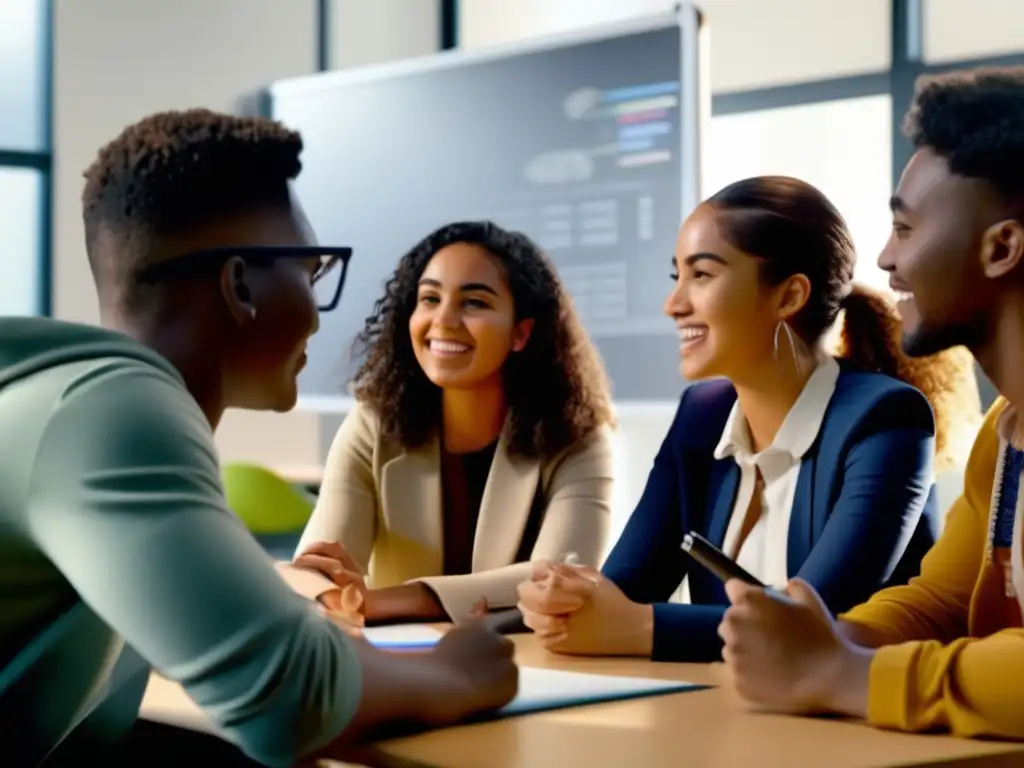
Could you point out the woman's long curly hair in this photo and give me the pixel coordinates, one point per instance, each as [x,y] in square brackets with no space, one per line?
[556,387]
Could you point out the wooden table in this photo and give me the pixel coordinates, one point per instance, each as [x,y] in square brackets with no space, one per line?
[696,729]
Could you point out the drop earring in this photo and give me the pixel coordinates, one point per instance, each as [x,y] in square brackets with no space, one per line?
[781,325]
[252,313]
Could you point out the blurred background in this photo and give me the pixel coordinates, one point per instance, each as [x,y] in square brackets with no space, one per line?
[809,88]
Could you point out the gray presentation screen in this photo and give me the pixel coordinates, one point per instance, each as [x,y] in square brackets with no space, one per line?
[588,145]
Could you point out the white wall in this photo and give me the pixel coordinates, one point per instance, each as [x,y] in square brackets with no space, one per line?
[754,43]
[843,147]
[956,29]
[119,60]
[375,31]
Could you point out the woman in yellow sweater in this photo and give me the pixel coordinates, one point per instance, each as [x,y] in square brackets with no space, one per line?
[945,652]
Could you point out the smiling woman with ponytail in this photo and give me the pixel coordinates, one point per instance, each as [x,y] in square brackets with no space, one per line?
[794,462]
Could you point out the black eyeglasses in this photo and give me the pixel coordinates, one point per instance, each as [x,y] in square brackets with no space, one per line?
[328,278]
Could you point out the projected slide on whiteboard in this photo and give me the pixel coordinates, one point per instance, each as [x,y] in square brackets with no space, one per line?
[588,145]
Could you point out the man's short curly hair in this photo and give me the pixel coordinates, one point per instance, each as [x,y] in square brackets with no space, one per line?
[173,171]
[975,120]
[556,387]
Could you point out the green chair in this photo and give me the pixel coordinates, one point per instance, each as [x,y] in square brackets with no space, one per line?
[274,510]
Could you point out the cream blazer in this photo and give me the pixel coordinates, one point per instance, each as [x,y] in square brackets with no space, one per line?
[384,504]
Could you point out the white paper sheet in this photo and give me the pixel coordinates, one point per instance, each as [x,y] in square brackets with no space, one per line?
[402,636]
[539,689]
[542,689]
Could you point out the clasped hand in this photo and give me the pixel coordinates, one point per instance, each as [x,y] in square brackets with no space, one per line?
[330,559]
[573,609]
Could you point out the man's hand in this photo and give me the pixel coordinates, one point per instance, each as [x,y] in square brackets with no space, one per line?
[470,671]
[331,559]
[486,674]
[784,654]
[575,610]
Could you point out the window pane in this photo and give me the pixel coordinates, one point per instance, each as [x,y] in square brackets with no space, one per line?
[22,73]
[842,147]
[955,29]
[753,44]
[21,196]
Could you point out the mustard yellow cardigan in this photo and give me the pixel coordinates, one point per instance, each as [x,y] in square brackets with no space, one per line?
[945,660]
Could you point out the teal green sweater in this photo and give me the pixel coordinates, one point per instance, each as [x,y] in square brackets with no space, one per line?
[112,513]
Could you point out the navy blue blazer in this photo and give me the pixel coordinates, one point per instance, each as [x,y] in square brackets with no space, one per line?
[862,514]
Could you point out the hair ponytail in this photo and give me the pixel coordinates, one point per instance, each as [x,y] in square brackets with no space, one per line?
[870,337]
[870,341]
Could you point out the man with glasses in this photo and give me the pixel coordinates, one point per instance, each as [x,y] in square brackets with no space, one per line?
[113,524]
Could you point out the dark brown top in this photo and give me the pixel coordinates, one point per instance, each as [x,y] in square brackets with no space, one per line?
[463,478]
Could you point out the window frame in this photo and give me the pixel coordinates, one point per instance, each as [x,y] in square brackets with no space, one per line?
[41,160]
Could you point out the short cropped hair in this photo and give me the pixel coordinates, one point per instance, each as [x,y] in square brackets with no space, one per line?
[173,171]
[975,120]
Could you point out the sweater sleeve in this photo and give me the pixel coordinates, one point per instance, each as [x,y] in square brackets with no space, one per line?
[928,674]
[960,686]
[935,605]
[126,502]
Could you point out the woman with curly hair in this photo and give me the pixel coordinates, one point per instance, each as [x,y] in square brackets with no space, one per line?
[793,461]
[479,441]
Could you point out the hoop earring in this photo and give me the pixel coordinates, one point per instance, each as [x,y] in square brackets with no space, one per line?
[791,338]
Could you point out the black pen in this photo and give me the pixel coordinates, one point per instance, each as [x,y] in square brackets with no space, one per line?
[716,561]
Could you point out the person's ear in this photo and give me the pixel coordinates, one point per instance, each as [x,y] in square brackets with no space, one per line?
[234,287]
[1002,248]
[521,334]
[792,296]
